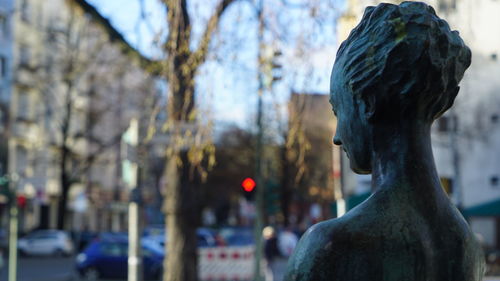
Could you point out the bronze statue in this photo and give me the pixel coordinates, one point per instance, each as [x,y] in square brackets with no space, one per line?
[395,74]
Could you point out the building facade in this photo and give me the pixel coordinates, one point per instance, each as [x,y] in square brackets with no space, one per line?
[6,44]
[76,84]
[311,126]
[6,40]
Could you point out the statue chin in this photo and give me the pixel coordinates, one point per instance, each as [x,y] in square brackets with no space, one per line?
[357,168]
[360,171]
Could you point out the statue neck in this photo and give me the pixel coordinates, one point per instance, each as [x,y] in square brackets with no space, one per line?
[402,159]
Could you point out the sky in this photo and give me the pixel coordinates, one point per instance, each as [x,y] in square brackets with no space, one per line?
[125,16]
[228,81]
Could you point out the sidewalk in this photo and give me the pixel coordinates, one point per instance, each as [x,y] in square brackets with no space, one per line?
[279,269]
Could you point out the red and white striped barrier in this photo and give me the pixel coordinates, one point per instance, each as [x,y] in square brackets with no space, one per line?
[226,263]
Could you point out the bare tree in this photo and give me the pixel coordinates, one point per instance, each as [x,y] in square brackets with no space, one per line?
[187,152]
[76,79]
[183,164]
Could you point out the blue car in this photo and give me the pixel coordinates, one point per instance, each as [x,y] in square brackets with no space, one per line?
[108,259]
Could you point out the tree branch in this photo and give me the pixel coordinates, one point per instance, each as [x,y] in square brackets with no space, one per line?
[91,158]
[199,56]
[179,25]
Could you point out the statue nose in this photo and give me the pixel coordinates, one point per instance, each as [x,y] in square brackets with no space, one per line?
[336,140]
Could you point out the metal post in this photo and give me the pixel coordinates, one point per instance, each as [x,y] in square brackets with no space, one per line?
[259,220]
[130,175]
[259,200]
[13,229]
[13,242]
[134,245]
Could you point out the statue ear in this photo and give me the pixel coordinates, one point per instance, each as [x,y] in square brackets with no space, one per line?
[369,101]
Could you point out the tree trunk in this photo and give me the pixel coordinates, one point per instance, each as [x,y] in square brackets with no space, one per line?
[65,155]
[181,201]
[65,186]
[182,219]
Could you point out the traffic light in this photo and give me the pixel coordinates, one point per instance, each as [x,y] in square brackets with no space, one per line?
[5,193]
[248,185]
[21,201]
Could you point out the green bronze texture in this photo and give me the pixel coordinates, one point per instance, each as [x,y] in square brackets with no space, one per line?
[397,72]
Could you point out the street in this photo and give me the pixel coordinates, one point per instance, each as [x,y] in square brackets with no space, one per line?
[62,269]
[43,269]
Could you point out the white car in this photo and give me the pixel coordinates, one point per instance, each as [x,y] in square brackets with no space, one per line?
[46,242]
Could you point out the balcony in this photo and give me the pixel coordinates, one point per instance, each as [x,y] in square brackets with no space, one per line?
[26,129]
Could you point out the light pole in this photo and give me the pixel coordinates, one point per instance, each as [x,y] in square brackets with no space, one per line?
[130,141]
[13,227]
[259,196]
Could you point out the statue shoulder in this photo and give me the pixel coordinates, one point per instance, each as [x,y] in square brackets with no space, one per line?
[315,249]
[338,249]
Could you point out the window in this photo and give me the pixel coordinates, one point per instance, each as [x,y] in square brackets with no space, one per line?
[3,67]
[447,5]
[21,160]
[494,118]
[494,181]
[4,27]
[147,252]
[23,106]
[47,236]
[443,124]
[25,11]
[446,124]
[114,249]
[447,185]
[24,55]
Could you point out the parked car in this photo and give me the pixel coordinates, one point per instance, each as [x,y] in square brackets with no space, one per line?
[237,236]
[108,259]
[82,239]
[112,235]
[153,230]
[46,242]
[206,238]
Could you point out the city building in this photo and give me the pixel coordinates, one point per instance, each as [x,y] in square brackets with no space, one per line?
[311,126]
[76,86]
[466,139]
[6,42]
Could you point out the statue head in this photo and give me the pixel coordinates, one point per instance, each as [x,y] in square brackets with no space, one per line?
[400,65]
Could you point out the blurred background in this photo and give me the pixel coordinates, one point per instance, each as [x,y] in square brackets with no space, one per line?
[192,140]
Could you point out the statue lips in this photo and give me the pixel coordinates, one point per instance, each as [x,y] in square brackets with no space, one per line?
[346,153]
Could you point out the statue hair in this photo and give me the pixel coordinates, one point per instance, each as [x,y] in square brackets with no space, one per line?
[404,61]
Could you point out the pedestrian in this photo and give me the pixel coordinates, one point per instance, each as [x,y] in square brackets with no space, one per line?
[271,252]
[287,241]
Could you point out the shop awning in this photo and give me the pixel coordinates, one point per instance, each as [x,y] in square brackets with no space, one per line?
[488,209]
[351,201]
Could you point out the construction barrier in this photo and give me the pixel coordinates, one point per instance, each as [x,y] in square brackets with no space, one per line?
[226,263]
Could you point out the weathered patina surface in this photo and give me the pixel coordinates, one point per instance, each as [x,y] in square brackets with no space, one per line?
[396,73]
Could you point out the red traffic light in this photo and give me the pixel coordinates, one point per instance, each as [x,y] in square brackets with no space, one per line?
[21,201]
[248,184]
